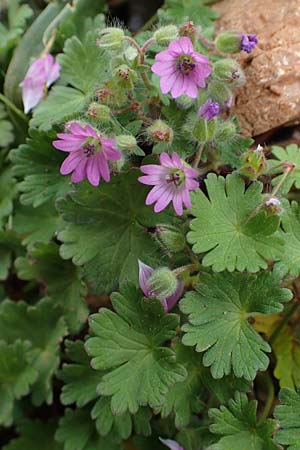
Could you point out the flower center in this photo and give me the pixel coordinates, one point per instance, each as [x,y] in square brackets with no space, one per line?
[91,146]
[185,64]
[176,177]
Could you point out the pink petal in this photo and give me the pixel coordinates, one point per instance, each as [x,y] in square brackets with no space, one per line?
[36,70]
[151,180]
[144,274]
[164,68]
[186,45]
[191,185]
[176,161]
[179,86]
[69,145]
[76,128]
[111,154]
[32,93]
[156,193]
[79,173]
[92,171]
[177,203]
[163,200]
[103,167]
[185,196]
[91,132]
[172,445]
[190,172]
[71,162]
[166,160]
[173,299]
[167,82]
[191,89]
[165,55]
[153,169]
[53,73]
[175,48]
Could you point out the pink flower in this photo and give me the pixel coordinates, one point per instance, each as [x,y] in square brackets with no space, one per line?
[172,181]
[172,445]
[40,75]
[182,70]
[145,273]
[89,153]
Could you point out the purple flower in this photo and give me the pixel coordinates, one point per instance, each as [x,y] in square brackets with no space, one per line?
[89,153]
[173,445]
[172,181]
[40,75]
[168,303]
[209,110]
[248,42]
[182,70]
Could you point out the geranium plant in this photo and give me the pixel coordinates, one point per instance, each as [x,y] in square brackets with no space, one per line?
[150,252]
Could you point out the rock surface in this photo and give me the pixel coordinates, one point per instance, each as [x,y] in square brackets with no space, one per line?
[271,97]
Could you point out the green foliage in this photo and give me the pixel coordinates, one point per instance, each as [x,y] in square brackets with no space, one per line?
[32,433]
[129,344]
[290,257]
[6,128]
[38,163]
[16,376]
[105,229]
[291,154]
[17,16]
[228,227]
[62,279]
[44,327]
[218,320]
[8,192]
[238,427]
[77,432]
[288,413]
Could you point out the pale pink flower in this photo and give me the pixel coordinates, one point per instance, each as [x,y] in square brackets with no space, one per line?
[145,273]
[40,75]
[172,445]
[181,69]
[89,153]
[172,181]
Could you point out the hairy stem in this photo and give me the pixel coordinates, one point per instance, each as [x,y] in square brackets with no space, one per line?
[13,107]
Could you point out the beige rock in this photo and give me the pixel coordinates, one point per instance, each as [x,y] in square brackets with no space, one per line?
[271,97]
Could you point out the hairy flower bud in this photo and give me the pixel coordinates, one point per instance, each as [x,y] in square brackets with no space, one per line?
[226,130]
[127,143]
[209,109]
[219,92]
[165,34]
[125,76]
[111,38]
[204,131]
[184,101]
[273,206]
[230,71]
[234,41]
[99,113]
[253,163]
[162,283]
[170,238]
[188,29]
[159,132]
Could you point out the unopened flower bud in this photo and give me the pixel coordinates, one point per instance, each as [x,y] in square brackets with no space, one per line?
[126,142]
[170,238]
[273,205]
[226,130]
[111,38]
[159,132]
[230,71]
[125,76]
[204,131]
[188,29]
[219,92]
[165,34]
[130,53]
[209,109]
[117,165]
[99,113]
[162,283]
[234,42]
[253,163]
[184,101]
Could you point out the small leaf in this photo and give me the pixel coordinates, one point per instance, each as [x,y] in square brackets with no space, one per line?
[225,229]
[129,345]
[218,320]
[238,427]
[289,154]
[32,433]
[288,413]
[16,376]
[290,256]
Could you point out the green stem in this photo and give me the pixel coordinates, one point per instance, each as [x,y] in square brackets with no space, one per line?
[290,312]
[189,267]
[270,400]
[198,157]
[13,107]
